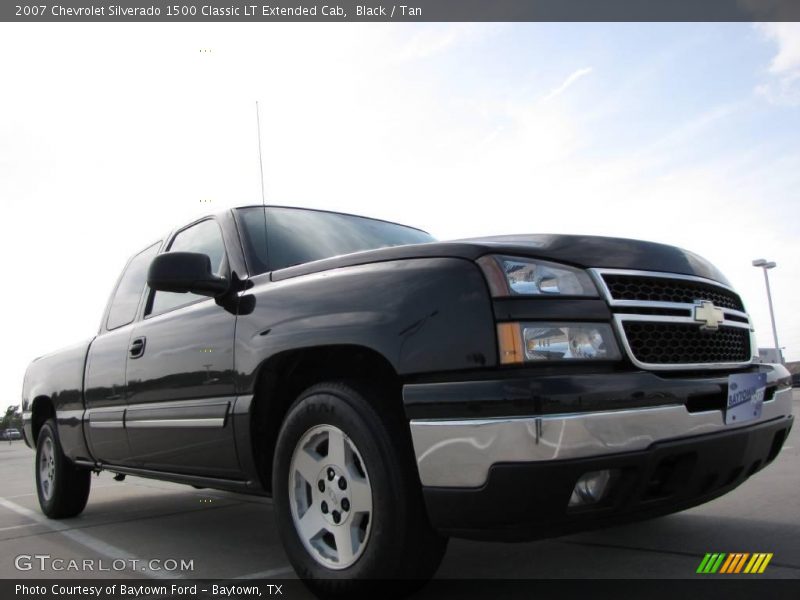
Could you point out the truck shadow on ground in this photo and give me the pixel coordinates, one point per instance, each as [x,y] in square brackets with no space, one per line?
[229,535]
[662,547]
[223,530]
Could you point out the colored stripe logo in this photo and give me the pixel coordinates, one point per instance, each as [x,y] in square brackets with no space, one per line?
[734,563]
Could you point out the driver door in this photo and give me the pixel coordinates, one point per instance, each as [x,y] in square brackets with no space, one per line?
[180,376]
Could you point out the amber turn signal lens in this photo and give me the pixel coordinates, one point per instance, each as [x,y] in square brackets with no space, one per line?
[509,340]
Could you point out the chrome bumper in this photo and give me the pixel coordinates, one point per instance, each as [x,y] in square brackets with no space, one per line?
[460,453]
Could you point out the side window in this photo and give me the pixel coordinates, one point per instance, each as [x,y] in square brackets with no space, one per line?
[126,297]
[206,238]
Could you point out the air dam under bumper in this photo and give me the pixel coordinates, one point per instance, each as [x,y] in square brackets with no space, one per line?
[512,478]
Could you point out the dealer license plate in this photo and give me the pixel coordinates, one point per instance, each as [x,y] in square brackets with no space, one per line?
[745,397]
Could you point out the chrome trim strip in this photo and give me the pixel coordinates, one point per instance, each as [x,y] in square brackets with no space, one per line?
[105,424]
[674,306]
[459,453]
[205,422]
[674,319]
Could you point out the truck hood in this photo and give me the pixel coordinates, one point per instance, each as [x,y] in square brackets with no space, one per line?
[584,251]
[604,252]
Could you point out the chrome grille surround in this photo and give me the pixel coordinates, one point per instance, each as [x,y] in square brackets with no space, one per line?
[732,317]
[637,287]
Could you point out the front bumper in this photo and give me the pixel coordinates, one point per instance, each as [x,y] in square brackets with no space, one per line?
[512,477]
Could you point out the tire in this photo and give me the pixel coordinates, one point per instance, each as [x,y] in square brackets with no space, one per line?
[63,488]
[342,430]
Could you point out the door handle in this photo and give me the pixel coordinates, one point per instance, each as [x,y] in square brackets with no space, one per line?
[136,349]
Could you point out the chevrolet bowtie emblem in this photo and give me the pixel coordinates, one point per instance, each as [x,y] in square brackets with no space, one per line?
[709,315]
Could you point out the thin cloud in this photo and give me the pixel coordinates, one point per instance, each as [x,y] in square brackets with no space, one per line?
[568,82]
[783,86]
[435,40]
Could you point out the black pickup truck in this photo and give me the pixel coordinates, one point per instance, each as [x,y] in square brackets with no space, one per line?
[390,391]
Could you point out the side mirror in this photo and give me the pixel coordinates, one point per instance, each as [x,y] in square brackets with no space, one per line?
[185,272]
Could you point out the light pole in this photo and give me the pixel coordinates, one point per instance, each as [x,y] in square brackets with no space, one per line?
[767,266]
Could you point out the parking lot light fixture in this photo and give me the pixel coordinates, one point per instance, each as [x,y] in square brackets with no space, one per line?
[766,266]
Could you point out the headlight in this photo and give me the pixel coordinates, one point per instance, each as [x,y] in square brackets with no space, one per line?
[535,342]
[513,276]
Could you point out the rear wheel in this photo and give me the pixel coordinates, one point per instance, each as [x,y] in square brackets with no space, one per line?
[63,488]
[347,495]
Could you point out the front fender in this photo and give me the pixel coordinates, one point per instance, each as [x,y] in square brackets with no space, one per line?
[422,315]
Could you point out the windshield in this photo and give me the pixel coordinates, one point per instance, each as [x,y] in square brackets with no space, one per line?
[295,236]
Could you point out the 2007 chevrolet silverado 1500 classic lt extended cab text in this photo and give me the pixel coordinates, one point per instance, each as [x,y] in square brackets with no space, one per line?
[390,391]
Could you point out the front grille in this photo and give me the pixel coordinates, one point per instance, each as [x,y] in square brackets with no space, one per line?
[658,317]
[684,343]
[661,289]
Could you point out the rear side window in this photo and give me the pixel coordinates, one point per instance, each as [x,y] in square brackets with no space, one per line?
[130,288]
[206,238]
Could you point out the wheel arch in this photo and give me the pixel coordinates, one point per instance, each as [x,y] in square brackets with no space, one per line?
[283,377]
[42,409]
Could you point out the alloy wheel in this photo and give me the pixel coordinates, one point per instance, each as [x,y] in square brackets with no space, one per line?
[330,497]
[47,468]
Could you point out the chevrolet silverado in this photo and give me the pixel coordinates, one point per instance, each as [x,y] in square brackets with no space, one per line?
[389,391]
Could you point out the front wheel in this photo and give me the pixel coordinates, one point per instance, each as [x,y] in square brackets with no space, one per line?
[347,495]
[63,488]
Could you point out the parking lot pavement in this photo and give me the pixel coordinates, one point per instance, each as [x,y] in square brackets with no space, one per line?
[230,536]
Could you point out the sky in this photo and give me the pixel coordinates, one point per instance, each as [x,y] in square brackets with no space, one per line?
[112,134]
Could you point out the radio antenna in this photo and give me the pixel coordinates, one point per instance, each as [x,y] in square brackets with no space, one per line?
[260,159]
[263,195]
